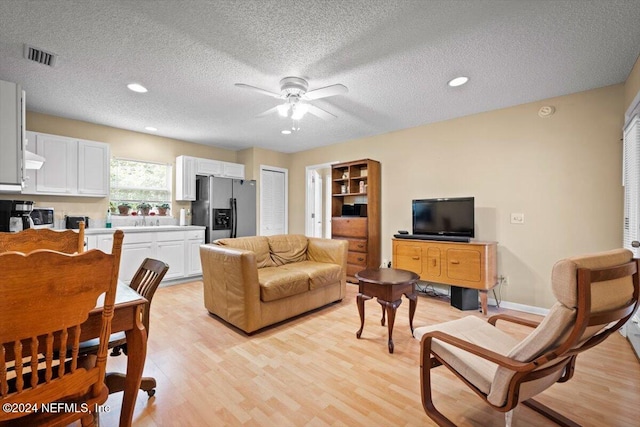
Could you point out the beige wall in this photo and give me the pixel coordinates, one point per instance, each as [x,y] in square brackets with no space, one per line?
[123,143]
[632,85]
[562,172]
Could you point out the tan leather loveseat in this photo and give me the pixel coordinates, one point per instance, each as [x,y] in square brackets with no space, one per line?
[253,282]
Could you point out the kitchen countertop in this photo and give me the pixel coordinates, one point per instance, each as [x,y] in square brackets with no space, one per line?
[143,228]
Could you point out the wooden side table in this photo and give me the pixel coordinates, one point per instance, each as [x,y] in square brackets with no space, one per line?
[387,285]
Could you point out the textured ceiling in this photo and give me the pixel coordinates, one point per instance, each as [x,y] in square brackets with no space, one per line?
[394,56]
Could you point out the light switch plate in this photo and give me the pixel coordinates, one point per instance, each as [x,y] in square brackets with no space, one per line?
[517,218]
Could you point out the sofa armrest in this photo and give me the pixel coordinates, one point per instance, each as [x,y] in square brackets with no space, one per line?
[230,285]
[328,250]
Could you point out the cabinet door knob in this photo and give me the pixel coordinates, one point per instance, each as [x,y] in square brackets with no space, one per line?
[360,259]
[416,257]
[433,262]
[453,261]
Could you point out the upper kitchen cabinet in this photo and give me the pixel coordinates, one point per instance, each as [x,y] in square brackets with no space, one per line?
[73,167]
[188,167]
[11,137]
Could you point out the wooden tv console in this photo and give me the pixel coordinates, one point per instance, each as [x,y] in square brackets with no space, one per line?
[468,265]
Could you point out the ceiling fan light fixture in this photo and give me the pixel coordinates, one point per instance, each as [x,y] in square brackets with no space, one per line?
[283,110]
[458,81]
[299,110]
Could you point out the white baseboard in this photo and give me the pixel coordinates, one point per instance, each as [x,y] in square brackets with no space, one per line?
[446,290]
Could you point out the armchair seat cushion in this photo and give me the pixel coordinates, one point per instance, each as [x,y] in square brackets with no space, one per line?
[477,370]
[276,283]
[320,274]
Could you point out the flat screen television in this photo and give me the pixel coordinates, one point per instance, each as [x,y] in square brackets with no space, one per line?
[444,219]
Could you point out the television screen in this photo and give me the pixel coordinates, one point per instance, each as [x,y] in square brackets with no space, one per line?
[444,217]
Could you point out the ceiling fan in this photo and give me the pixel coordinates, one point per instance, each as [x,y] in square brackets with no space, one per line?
[293,90]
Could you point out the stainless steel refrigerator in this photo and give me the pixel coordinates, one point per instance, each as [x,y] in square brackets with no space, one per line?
[227,207]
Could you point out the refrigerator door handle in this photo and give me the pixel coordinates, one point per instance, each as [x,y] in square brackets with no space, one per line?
[234,215]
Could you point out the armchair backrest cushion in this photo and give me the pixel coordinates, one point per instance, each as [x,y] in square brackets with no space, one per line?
[288,248]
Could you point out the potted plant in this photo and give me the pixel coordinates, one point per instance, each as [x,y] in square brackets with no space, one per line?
[162,209]
[123,208]
[144,208]
[112,207]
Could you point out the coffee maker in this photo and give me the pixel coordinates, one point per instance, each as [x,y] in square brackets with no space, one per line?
[15,215]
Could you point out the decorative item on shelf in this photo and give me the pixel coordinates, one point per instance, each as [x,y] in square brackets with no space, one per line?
[363,172]
[343,189]
[365,188]
[162,209]
[144,208]
[361,186]
[345,175]
[112,207]
[123,208]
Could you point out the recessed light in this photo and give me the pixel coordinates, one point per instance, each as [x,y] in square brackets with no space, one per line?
[136,87]
[286,132]
[151,128]
[458,81]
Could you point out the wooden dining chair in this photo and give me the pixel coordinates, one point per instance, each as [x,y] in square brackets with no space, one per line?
[145,282]
[596,294]
[67,241]
[44,299]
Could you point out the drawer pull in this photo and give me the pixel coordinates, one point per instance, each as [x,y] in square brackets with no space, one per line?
[434,262]
[415,257]
[360,259]
[360,246]
[453,261]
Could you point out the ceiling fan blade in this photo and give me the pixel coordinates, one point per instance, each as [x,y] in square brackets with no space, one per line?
[319,112]
[269,111]
[262,91]
[325,92]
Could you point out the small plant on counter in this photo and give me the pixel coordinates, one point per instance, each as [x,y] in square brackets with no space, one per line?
[162,209]
[124,208]
[112,207]
[144,208]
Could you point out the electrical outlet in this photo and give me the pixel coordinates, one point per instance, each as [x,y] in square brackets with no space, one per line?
[503,280]
[517,218]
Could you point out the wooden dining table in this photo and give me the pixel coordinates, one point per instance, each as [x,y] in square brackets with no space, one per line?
[127,317]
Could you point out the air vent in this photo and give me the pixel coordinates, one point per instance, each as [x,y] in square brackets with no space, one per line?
[40,56]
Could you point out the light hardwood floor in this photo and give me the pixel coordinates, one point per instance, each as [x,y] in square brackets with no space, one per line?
[312,371]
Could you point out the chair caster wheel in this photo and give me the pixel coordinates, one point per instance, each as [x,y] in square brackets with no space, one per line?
[151,392]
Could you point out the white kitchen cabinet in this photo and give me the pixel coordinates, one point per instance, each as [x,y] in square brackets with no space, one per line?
[11,137]
[194,240]
[232,170]
[208,167]
[180,249]
[188,167]
[93,168]
[185,178]
[73,167]
[170,249]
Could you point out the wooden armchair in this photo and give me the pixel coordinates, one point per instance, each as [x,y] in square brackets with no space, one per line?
[44,299]
[596,295]
[67,241]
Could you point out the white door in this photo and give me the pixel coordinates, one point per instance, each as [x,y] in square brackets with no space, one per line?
[318,201]
[273,200]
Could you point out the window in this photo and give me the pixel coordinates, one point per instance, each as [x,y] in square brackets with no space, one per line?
[134,182]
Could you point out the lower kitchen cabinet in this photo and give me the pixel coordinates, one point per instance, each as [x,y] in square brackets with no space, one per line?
[179,249]
[170,248]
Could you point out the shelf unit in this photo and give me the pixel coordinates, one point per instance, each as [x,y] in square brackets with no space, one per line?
[357,182]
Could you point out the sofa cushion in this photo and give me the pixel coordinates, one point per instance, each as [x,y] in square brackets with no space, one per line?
[288,248]
[257,244]
[320,273]
[277,283]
